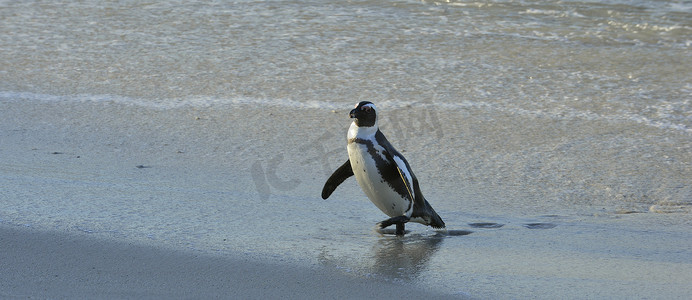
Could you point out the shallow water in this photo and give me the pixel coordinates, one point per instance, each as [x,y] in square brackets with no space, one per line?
[526,121]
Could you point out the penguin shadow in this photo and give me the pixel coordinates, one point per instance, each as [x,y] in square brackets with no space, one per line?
[438,233]
[489,225]
[404,257]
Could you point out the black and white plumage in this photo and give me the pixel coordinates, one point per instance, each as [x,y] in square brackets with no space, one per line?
[383,173]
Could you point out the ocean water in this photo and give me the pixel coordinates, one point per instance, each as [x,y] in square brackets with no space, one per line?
[527,115]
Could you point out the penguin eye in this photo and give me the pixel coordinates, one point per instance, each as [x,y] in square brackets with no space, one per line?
[366,108]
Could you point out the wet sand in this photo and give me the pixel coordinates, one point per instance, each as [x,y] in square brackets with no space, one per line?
[88,211]
[108,199]
[57,265]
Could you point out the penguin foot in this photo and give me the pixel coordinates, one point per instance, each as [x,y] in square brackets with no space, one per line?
[400,222]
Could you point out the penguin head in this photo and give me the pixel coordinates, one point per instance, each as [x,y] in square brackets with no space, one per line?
[365,114]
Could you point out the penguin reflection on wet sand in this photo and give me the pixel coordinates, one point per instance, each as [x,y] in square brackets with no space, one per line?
[383,173]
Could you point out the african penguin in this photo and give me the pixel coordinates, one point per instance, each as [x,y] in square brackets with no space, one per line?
[383,173]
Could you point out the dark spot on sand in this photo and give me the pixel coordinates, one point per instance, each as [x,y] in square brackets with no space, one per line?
[56,152]
[540,225]
[486,225]
[142,166]
[626,212]
[455,232]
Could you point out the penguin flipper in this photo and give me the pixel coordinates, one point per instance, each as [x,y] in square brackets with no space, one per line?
[341,174]
[401,167]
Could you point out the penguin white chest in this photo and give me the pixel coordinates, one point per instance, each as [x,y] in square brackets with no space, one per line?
[369,177]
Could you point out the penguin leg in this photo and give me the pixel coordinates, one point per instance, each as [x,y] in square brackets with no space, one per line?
[400,222]
[400,229]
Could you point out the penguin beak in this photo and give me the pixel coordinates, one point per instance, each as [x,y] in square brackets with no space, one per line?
[352,114]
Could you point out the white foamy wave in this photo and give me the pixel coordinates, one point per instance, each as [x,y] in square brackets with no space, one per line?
[558,112]
[200,101]
[561,112]
[551,12]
